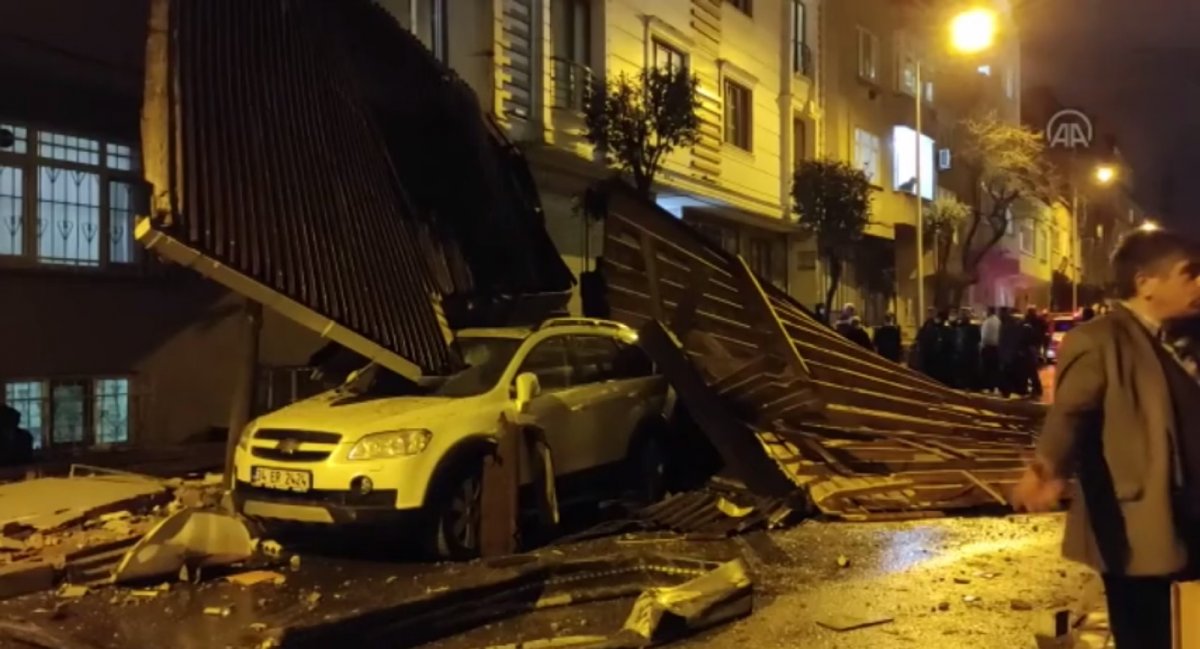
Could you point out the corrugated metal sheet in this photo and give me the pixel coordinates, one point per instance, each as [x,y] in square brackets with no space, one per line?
[787,402]
[314,156]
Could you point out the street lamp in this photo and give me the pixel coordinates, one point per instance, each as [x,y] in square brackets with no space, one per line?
[1148,226]
[971,32]
[1103,174]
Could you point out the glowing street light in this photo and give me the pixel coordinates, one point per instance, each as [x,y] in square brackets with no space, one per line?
[973,31]
[1148,226]
[1105,174]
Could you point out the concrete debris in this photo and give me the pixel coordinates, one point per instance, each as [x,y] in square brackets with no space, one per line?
[1021,605]
[218,611]
[255,577]
[271,548]
[962,580]
[258,627]
[944,606]
[72,591]
[843,561]
[312,599]
[971,599]
[294,562]
[851,622]
[189,538]
[146,593]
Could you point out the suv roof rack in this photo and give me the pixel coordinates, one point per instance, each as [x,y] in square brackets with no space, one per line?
[583,322]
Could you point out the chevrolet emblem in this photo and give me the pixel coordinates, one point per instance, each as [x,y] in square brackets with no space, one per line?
[288,446]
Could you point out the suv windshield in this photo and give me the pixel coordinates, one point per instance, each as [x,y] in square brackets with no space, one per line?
[486,359]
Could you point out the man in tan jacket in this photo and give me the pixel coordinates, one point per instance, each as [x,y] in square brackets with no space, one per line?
[1126,422]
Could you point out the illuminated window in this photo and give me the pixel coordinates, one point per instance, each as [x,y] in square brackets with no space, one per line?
[904,160]
[906,66]
[868,55]
[83,206]
[1026,236]
[867,154]
[1042,247]
[73,412]
[738,115]
[666,56]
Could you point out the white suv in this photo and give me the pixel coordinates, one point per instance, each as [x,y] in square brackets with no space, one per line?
[379,446]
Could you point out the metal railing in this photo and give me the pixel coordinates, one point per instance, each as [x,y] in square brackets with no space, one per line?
[571,81]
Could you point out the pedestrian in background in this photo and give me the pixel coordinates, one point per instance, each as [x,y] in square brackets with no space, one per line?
[967,339]
[1030,354]
[887,339]
[1126,422]
[16,443]
[1011,335]
[856,333]
[989,339]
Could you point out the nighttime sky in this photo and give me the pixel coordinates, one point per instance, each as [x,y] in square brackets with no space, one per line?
[1132,63]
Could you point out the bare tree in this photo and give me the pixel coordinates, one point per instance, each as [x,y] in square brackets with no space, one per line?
[637,121]
[832,201]
[943,218]
[1004,163]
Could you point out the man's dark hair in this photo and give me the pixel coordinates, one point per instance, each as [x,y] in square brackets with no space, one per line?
[1148,251]
[991,310]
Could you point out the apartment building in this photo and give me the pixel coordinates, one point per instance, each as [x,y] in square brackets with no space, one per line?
[102,346]
[530,61]
[875,52]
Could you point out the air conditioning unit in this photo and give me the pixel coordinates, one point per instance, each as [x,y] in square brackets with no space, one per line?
[943,159]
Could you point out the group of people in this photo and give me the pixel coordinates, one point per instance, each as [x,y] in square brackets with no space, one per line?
[1000,354]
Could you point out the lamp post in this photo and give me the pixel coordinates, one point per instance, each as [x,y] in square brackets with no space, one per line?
[970,32]
[1103,175]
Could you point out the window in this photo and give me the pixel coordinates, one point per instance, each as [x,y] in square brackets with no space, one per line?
[1010,83]
[84,199]
[549,361]
[868,55]
[759,259]
[571,22]
[801,53]
[439,30]
[1042,247]
[738,115]
[867,155]
[631,362]
[904,172]
[668,57]
[799,141]
[906,66]
[1026,238]
[594,358]
[743,6]
[985,70]
[75,412]
[724,237]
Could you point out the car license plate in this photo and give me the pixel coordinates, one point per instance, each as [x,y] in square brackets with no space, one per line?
[281,479]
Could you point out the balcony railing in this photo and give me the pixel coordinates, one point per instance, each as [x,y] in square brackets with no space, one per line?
[802,59]
[571,81]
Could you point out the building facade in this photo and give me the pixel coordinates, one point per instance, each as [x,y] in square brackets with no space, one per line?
[757,63]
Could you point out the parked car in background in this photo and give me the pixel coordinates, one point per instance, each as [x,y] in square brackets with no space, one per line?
[380,447]
[1060,324]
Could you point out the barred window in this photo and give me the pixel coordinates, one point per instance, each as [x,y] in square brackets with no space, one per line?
[68,201]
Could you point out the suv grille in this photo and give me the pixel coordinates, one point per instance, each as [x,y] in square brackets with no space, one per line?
[294,445]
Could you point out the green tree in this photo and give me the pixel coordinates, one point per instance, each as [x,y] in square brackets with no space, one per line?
[943,218]
[637,121]
[832,201]
[1004,162]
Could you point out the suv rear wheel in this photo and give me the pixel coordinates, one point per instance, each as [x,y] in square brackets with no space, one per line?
[457,512]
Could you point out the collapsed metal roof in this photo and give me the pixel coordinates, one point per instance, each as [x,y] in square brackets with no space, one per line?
[315,157]
[788,403]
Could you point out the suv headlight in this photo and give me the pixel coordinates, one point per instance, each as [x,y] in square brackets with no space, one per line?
[244,438]
[392,443]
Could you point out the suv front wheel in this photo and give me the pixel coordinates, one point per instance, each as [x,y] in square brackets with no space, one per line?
[456,512]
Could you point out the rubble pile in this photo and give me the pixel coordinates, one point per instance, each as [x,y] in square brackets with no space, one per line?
[788,403]
[110,527]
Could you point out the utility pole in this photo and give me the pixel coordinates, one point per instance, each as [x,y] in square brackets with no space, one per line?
[920,212]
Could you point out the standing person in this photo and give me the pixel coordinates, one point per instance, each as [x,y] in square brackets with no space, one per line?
[936,347]
[967,340]
[16,443]
[821,314]
[857,334]
[843,322]
[989,340]
[887,339]
[1010,347]
[1088,314]
[1126,421]
[1031,353]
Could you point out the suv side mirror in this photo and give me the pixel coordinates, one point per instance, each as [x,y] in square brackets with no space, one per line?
[527,389]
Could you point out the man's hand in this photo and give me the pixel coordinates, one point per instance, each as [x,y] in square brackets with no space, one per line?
[1038,490]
